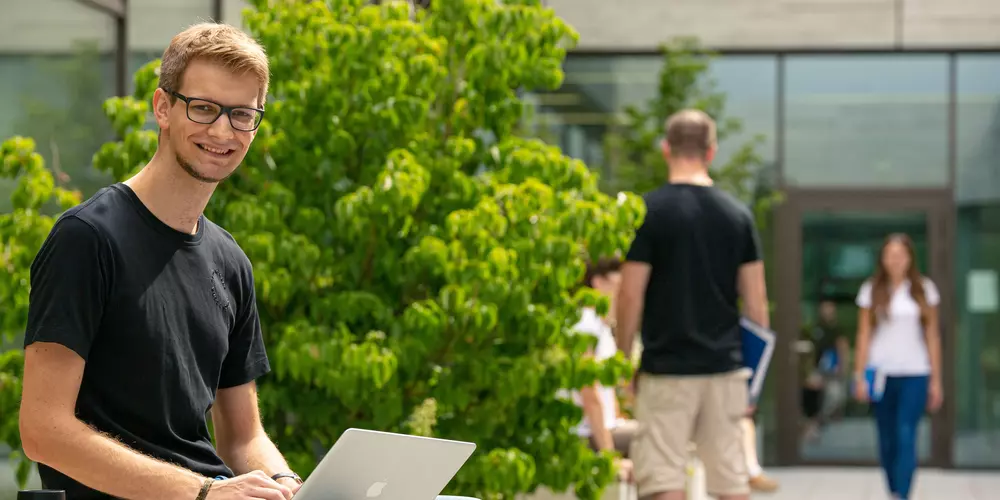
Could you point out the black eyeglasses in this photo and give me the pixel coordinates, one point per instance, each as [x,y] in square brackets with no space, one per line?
[204,111]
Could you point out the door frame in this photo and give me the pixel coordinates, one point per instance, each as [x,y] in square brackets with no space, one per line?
[938,205]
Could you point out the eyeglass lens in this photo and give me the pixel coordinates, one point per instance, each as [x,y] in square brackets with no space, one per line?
[207,112]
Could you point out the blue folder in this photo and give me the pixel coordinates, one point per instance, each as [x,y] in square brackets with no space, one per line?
[876,383]
[758,348]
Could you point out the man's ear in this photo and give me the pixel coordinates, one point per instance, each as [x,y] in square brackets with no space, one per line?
[710,154]
[161,108]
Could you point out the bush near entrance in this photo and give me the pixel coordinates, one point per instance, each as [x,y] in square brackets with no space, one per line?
[417,262]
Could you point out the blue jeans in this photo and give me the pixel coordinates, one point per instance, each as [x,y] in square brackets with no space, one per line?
[897,415]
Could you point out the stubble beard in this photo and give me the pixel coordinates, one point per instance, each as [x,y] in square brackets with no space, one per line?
[195,174]
[189,167]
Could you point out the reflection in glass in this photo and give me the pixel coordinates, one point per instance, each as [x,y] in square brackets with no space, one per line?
[866,120]
[839,252]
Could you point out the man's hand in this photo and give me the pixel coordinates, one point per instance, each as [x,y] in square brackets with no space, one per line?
[291,484]
[255,485]
[626,471]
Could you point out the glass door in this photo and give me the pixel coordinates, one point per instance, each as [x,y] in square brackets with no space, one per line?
[836,242]
[839,252]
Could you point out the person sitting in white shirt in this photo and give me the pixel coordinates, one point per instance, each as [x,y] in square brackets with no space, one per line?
[601,423]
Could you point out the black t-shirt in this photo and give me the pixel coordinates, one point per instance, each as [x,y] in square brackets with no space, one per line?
[695,239]
[163,319]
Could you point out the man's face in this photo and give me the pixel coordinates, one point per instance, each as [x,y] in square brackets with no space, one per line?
[208,152]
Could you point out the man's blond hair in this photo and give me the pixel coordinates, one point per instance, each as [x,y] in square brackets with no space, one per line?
[218,43]
[690,133]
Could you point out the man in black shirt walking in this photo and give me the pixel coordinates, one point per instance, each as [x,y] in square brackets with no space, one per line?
[695,254]
[143,316]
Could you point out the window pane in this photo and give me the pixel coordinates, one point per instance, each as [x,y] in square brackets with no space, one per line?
[750,85]
[978,127]
[977,262]
[866,120]
[578,116]
[977,361]
[52,26]
[55,86]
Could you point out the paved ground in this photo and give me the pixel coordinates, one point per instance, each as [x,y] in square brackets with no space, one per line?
[867,484]
[807,484]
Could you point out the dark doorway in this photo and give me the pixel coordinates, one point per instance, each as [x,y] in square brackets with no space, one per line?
[827,243]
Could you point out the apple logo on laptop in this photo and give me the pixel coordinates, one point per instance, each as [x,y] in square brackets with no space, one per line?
[375,489]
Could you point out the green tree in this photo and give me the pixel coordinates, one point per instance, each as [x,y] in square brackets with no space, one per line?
[416,260]
[633,146]
[22,232]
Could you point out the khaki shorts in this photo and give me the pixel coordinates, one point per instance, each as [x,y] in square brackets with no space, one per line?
[674,411]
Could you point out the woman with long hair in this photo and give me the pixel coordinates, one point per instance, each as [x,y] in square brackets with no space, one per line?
[898,338]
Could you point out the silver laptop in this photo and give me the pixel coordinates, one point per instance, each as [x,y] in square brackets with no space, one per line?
[377,465]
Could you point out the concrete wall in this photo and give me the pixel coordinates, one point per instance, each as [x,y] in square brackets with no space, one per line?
[772,24]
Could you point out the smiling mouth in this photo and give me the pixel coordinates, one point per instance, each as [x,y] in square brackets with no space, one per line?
[222,153]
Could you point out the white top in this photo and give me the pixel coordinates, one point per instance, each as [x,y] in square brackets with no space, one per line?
[898,346]
[590,323]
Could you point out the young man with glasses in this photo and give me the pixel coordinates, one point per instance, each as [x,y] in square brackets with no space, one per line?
[142,313]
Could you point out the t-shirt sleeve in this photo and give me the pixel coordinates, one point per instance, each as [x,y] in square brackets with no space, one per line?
[69,286]
[751,247]
[643,246]
[586,327]
[864,298]
[931,293]
[247,357]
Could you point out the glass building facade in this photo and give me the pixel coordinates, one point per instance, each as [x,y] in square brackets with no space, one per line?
[863,144]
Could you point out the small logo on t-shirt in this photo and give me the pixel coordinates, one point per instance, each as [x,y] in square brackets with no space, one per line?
[219,291]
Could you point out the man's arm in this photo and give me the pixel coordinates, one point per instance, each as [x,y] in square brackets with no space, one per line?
[240,437]
[631,297]
[753,291]
[751,283]
[70,280]
[51,434]
[635,278]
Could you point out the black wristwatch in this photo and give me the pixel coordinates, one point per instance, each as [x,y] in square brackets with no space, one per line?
[287,474]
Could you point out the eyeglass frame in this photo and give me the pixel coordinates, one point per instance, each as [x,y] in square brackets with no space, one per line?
[223,109]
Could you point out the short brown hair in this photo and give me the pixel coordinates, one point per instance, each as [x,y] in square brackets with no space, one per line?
[690,133]
[601,267]
[218,43]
